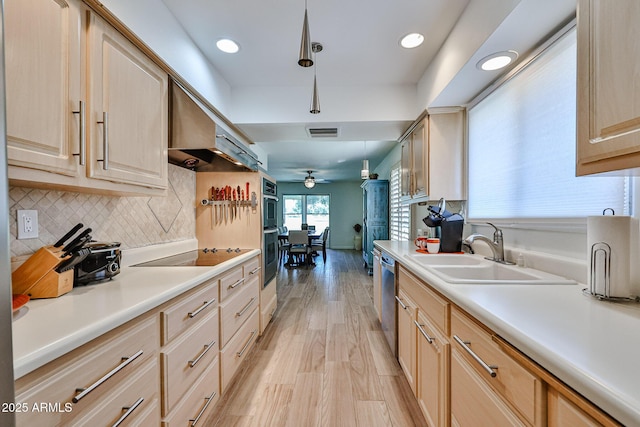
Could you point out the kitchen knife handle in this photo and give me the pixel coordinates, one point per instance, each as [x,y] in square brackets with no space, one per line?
[105,141]
[82,140]
[66,237]
[76,240]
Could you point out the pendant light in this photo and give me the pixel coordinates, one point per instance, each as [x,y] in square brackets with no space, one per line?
[309,181]
[305,59]
[364,173]
[315,100]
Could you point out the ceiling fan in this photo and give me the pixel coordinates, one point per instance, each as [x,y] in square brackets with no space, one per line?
[310,181]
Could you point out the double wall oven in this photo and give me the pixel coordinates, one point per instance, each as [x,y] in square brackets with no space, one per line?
[270,230]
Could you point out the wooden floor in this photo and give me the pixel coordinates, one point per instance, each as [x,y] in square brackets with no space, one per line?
[323,361]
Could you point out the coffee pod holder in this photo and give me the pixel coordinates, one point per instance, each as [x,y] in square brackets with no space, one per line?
[602,250]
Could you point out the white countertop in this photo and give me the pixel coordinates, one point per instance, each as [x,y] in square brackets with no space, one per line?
[591,345]
[48,328]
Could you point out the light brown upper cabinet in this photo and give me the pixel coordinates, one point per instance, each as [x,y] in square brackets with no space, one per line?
[608,98]
[432,157]
[86,109]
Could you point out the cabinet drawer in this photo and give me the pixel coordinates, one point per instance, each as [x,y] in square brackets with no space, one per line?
[511,380]
[188,309]
[267,309]
[231,283]
[186,359]
[135,400]
[197,403]
[235,311]
[252,268]
[236,350]
[97,367]
[433,305]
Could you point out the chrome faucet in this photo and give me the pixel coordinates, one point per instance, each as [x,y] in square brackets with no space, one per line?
[496,245]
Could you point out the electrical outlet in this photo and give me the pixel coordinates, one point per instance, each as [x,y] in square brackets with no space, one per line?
[27,224]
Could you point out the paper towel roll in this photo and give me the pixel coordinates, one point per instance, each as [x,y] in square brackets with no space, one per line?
[620,233]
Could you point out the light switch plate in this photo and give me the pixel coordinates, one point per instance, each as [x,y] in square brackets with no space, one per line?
[27,224]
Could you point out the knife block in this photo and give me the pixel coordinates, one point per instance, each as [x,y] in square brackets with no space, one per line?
[37,276]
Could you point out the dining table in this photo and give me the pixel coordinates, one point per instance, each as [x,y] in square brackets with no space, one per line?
[313,235]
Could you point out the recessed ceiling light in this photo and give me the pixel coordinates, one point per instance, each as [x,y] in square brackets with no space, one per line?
[412,40]
[227,46]
[497,60]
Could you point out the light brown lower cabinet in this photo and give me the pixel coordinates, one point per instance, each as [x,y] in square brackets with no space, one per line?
[464,374]
[407,313]
[432,373]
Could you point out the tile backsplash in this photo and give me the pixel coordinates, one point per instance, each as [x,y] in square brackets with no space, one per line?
[132,221]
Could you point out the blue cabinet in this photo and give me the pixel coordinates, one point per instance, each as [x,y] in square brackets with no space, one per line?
[375,221]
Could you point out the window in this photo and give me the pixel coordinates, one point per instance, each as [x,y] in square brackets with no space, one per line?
[522,140]
[398,213]
[310,209]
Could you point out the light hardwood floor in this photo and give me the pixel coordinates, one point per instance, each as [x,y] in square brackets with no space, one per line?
[323,361]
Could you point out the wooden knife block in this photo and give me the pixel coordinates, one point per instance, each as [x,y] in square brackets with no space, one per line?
[37,276]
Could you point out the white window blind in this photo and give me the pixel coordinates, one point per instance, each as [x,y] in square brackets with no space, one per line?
[399,214]
[522,143]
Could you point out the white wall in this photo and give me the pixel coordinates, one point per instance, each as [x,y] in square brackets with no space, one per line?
[345,205]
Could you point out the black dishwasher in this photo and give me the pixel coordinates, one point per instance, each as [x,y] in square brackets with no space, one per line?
[388,296]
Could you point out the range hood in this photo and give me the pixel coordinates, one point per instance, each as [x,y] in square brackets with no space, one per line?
[198,143]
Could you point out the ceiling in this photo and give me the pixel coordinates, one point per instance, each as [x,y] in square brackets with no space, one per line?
[370,88]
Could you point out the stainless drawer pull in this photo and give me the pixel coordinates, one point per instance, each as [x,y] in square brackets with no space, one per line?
[401,303]
[465,344]
[105,141]
[255,270]
[207,347]
[246,307]
[241,352]
[83,392]
[204,305]
[129,410]
[239,282]
[82,140]
[204,408]
[423,332]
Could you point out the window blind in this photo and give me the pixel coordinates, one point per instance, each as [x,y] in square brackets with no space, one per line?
[399,214]
[522,140]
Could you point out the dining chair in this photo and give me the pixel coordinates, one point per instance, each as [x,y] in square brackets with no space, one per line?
[299,248]
[321,244]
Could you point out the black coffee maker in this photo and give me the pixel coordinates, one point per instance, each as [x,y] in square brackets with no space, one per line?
[448,225]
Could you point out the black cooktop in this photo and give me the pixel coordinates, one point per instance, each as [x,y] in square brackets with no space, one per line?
[200,257]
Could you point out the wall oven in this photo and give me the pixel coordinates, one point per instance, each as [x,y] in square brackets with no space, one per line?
[270,204]
[270,230]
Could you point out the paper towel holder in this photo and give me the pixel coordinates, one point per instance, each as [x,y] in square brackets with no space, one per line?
[603,250]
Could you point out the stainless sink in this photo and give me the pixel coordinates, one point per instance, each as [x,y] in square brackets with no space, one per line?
[492,273]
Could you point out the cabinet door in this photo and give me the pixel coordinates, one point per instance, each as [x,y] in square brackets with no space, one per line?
[405,168]
[127,87]
[42,47]
[407,337]
[608,98]
[473,402]
[420,160]
[432,373]
[446,149]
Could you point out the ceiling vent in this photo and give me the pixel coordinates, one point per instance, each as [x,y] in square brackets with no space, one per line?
[322,132]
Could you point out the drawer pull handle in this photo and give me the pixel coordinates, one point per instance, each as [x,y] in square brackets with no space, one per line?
[105,141]
[241,352]
[401,303]
[83,392]
[204,408]
[423,332]
[246,307]
[465,344]
[239,282]
[204,305]
[82,141]
[129,410]
[207,347]
[255,270]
